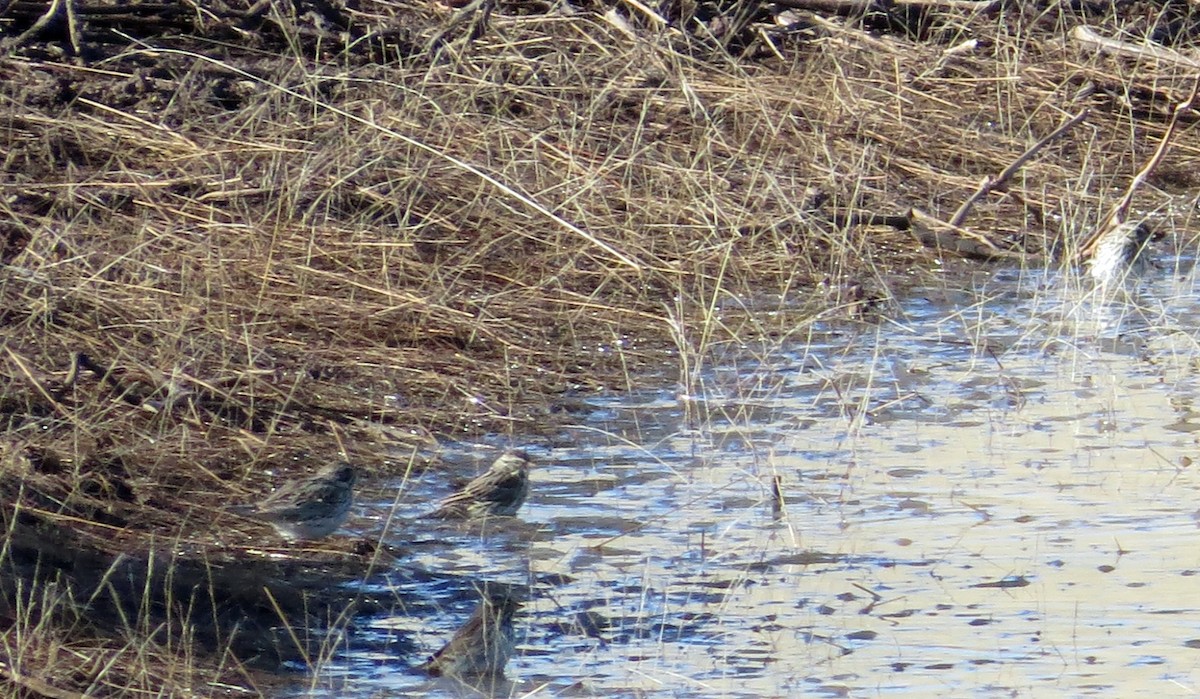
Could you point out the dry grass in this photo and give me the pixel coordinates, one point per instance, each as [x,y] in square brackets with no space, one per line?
[253,243]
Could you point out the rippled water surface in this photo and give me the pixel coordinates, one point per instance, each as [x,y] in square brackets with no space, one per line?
[990,493]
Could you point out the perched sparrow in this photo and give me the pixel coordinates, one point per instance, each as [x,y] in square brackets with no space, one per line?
[483,645]
[500,491]
[1120,252]
[310,508]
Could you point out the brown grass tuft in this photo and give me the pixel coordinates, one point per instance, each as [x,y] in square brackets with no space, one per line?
[245,229]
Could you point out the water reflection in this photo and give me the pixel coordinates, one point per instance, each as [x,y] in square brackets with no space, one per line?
[992,492]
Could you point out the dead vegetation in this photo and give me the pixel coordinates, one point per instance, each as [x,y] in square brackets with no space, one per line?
[229,229]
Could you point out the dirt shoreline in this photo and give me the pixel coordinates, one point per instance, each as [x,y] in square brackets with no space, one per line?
[248,239]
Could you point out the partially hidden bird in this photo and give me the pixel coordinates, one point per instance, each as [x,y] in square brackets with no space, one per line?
[499,491]
[309,508]
[483,645]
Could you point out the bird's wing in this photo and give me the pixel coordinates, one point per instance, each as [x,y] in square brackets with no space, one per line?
[495,487]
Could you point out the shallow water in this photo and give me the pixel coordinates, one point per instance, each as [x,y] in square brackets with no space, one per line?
[989,493]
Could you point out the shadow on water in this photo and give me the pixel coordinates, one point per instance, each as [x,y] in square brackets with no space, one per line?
[992,491]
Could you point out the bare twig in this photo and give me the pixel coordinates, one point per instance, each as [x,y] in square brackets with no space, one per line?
[34,686]
[1088,38]
[989,184]
[650,14]
[73,27]
[864,6]
[477,13]
[42,22]
[1116,216]
[950,235]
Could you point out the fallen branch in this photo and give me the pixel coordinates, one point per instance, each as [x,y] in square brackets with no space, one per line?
[858,7]
[1088,38]
[1117,215]
[853,32]
[477,14]
[34,686]
[990,184]
[650,14]
[950,236]
[900,222]
[58,10]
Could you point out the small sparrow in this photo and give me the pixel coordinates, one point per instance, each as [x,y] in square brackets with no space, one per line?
[1120,252]
[501,490]
[310,508]
[483,645]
